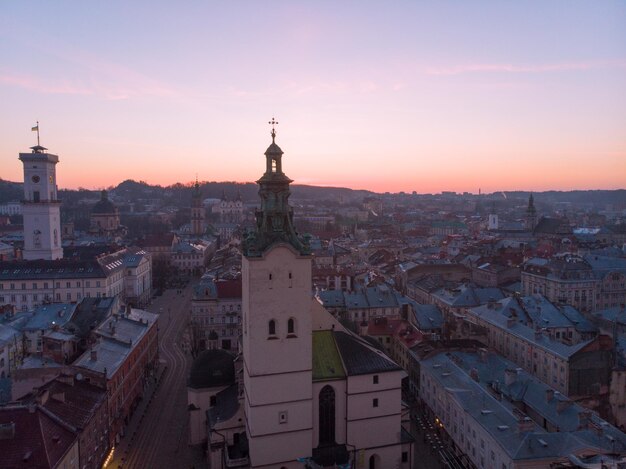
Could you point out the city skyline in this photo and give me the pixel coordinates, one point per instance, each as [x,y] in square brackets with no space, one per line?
[422,98]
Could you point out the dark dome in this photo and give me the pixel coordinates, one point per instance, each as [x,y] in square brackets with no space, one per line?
[104,205]
[212,368]
[273,149]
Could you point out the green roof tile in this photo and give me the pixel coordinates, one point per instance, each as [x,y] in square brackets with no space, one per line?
[326,360]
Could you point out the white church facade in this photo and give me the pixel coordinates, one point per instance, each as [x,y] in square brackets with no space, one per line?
[309,393]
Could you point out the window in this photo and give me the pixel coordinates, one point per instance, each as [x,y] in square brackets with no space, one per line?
[327,416]
[374,462]
[291,327]
[405,456]
[375,403]
[375,379]
[272,328]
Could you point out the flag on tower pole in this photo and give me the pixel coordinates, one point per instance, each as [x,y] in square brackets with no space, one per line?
[36,129]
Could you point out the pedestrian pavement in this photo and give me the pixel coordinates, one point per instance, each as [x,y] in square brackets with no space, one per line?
[121,449]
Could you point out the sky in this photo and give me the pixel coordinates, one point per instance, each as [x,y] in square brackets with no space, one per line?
[386,96]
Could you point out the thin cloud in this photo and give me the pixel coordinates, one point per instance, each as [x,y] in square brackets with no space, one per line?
[93,74]
[35,84]
[536,68]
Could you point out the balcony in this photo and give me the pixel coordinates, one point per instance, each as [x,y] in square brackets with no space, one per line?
[237,454]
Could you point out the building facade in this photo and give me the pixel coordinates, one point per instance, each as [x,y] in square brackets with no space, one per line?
[125,274]
[216,314]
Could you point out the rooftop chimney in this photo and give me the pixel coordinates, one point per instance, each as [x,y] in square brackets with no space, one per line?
[525,424]
[94,355]
[584,419]
[562,405]
[474,374]
[549,394]
[510,376]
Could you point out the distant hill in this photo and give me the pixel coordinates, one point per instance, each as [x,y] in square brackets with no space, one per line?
[10,191]
[215,190]
[617,196]
[179,194]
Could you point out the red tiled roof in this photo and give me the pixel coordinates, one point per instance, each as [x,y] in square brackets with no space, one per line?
[80,402]
[39,441]
[228,288]
[398,328]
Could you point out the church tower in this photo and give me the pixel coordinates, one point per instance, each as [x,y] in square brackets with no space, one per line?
[493,223]
[41,208]
[197,211]
[277,328]
[531,214]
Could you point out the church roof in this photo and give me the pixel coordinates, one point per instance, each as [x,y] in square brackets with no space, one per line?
[212,368]
[557,226]
[104,205]
[326,359]
[359,358]
[226,406]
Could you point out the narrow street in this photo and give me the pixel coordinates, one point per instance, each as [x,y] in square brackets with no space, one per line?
[157,434]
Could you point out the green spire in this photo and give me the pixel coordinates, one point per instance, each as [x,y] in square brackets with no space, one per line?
[274,221]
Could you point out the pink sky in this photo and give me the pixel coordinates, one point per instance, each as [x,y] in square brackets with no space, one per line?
[445,96]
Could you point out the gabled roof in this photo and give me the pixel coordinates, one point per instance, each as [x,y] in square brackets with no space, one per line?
[359,358]
[78,403]
[427,317]
[327,363]
[557,226]
[39,441]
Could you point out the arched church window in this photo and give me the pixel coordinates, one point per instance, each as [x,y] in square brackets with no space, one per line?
[374,462]
[271,328]
[291,327]
[327,416]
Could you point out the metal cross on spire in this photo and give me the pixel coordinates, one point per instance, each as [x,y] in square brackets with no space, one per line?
[274,123]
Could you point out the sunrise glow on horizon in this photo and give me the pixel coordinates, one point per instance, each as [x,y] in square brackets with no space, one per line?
[369,95]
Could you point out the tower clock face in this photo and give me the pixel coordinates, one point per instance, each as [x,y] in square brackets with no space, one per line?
[35,179]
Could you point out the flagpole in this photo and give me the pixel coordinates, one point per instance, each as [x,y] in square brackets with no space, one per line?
[38,133]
